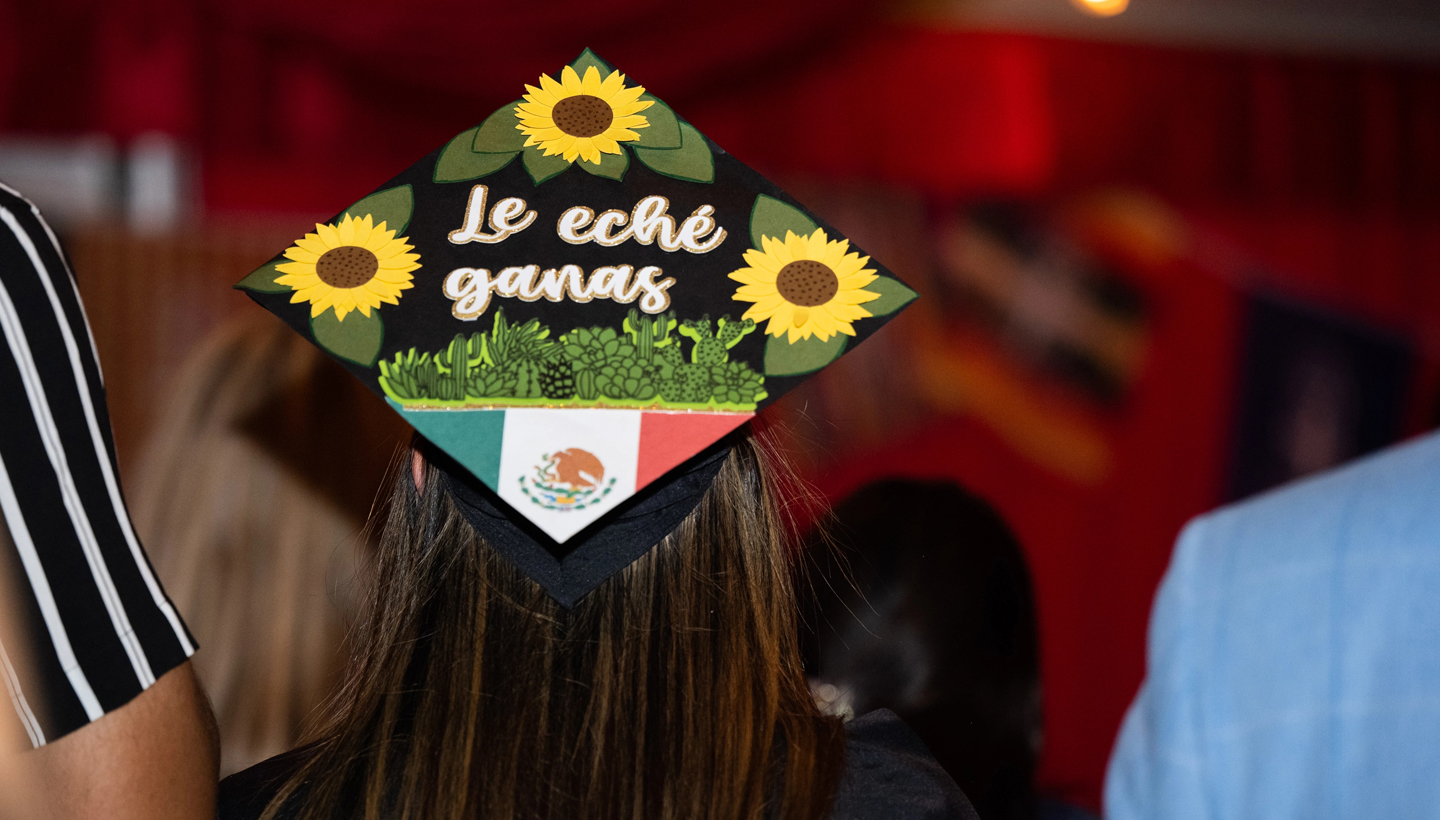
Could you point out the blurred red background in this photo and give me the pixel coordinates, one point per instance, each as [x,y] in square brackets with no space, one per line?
[1201,177]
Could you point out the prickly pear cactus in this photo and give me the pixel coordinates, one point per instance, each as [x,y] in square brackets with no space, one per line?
[731,332]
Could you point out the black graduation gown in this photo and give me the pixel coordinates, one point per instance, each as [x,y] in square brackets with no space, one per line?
[889,775]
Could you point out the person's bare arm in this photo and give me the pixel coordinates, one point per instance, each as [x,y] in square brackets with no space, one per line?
[156,758]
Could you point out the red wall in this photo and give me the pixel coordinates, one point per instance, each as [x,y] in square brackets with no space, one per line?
[1327,169]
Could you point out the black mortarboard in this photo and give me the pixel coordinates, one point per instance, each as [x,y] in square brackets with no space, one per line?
[572,300]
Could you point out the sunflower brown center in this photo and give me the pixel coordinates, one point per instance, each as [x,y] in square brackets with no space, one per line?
[347,266]
[807,283]
[583,115]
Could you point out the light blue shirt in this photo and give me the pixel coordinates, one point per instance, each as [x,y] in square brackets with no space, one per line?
[1294,656]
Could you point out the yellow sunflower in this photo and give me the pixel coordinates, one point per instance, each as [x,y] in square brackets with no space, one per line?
[582,117]
[805,285]
[354,265]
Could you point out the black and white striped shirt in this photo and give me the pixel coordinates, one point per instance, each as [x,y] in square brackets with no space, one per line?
[100,628]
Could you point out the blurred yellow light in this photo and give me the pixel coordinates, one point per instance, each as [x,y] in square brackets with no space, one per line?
[1101,8]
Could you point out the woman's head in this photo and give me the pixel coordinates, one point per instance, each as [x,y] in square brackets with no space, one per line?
[672,690]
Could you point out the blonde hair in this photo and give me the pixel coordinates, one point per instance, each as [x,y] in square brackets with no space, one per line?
[252,553]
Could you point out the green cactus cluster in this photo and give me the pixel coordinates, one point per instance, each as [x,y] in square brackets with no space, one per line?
[642,364]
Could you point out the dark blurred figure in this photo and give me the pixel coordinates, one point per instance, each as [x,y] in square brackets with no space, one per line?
[923,605]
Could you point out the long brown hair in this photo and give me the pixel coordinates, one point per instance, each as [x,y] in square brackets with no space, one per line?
[674,690]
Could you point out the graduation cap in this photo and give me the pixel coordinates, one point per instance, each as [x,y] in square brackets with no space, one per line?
[574,301]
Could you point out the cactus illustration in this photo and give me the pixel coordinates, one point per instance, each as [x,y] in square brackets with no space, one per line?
[732,332]
[509,344]
[527,380]
[557,379]
[641,362]
[709,349]
[648,334]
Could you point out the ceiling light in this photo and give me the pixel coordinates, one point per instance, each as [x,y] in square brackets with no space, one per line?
[1101,8]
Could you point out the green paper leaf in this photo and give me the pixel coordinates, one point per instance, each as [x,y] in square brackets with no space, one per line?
[356,339]
[773,218]
[804,356]
[612,166]
[692,161]
[586,59]
[457,163]
[664,128]
[893,296]
[392,206]
[262,280]
[541,167]
[498,134]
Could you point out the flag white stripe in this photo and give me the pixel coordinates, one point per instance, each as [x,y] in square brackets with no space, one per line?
[55,449]
[112,486]
[44,598]
[22,706]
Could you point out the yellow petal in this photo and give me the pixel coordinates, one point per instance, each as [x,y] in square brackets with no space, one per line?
[588,150]
[763,261]
[363,227]
[346,231]
[835,254]
[296,267]
[848,313]
[393,277]
[799,246]
[311,293]
[401,261]
[301,255]
[632,121]
[853,297]
[555,89]
[627,96]
[769,304]
[571,82]
[393,248]
[328,236]
[852,263]
[754,276]
[591,84]
[540,96]
[776,249]
[622,134]
[379,238]
[312,243]
[605,144]
[817,245]
[535,109]
[757,291]
[320,302]
[381,292]
[858,280]
[631,109]
[612,84]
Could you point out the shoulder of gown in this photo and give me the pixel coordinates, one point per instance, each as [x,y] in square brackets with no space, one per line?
[245,794]
[890,774]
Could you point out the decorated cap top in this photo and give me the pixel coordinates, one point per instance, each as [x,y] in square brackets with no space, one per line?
[575,297]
